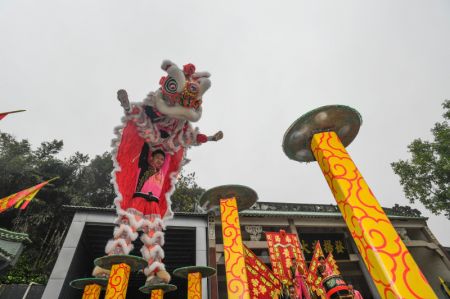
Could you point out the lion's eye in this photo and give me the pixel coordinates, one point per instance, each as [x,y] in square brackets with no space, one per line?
[193,88]
[170,85]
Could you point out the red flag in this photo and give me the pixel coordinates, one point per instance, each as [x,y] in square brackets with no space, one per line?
[283,247]
[262,283]
[332,263]
[3,114]
[313,279]
[22,198]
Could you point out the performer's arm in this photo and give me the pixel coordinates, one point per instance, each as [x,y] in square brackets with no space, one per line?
[143,157]
[202,138]
[122,96]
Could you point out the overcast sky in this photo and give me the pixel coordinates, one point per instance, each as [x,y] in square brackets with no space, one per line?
[271,62]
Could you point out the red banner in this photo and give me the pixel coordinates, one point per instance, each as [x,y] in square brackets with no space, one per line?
[261,281]
[283,247]
[313,279]
[332,263]
[22,198]
[4,114]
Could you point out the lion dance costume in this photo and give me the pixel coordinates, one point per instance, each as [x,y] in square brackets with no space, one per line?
[160,123]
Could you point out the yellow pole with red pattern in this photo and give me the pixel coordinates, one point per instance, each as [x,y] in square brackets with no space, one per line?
[322,135]
[394,271]
[92,291]
[157,294]
[194,286]
[236,274]
[118,281]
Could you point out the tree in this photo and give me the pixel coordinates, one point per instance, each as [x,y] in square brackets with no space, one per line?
[426,177]
[187,193]
[81,182]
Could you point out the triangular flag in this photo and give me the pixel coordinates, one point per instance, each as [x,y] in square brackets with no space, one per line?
[313,279]
[22,197]
[3,114]
[332,263]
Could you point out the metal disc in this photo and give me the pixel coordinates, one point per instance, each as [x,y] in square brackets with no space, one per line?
[82,282]
[342,120]
[203,270]
[136,263]
[148,288]
[245,197]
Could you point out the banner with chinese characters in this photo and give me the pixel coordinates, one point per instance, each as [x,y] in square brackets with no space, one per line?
[261,281]
[334,243]
[332,263]
[313,279]
[282,248]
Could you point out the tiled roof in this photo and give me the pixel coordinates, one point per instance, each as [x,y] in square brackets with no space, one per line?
[271,209]
[13,236]
[113,210]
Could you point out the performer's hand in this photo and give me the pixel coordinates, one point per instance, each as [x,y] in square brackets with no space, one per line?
[122,96]
[217,136]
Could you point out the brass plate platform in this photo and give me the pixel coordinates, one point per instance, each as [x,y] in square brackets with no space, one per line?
[203,270]
[245,197]
[342,120]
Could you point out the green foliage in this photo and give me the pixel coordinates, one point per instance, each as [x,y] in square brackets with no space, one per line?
[426,177]
[405,211]
[81,182]
[186,194]
[24,273]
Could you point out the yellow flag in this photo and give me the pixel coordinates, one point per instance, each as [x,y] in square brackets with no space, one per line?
[22,198]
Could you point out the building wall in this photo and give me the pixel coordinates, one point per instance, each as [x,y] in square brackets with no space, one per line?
[414,232]
[75,259]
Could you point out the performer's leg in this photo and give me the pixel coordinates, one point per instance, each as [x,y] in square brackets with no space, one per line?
[124,234]
[153,239]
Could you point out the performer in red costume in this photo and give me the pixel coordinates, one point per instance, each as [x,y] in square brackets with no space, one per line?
[324,268]
[356,294]
[148,155]
[299,279]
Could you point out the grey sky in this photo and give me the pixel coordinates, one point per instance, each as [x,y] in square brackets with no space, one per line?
[271,61]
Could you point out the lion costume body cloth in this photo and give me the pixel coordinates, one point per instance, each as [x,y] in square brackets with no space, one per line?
[160,122]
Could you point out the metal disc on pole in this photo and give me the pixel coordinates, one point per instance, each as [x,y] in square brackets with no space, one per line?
[82,282]
[343,120]
[245,197]
[136,263]
[203,270]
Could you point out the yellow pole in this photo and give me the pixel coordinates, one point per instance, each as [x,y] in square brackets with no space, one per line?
[92,291]
[394,271]
[157,294]
[195,285]
[236,274]
[118,282]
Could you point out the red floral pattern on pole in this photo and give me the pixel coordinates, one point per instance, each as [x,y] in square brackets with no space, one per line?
[394,271]
[92,291]
[195,286]
[118,282]
[236,274]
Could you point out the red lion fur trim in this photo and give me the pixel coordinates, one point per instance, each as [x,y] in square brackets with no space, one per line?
[158,238]
[112,244]
[125,228]
[154,267]
[156,224]
[156,253]
[130,215]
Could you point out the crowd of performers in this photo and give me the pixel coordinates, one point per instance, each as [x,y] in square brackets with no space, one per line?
[298,288]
